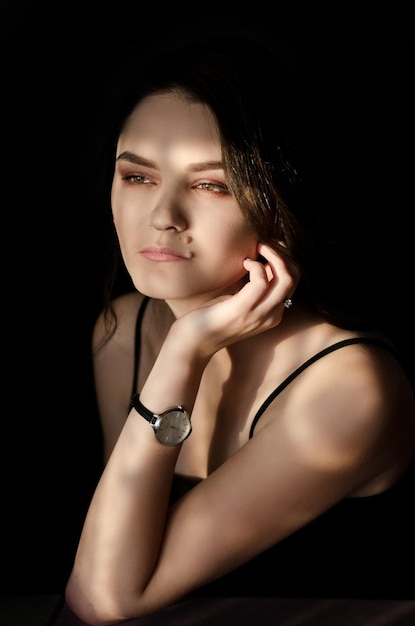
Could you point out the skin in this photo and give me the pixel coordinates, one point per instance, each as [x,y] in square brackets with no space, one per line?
[217,339]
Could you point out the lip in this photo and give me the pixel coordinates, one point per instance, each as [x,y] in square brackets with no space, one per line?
[163,254]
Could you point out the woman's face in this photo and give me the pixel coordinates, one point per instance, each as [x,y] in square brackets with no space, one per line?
[181,232]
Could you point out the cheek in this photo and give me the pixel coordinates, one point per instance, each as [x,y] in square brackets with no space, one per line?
[240,241]
[233,245]
[119,205]
[125,217]
[115,205]
[119,222]
[126,235]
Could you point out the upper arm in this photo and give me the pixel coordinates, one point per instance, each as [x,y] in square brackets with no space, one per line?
[271,487]
[323,445]
[113,365]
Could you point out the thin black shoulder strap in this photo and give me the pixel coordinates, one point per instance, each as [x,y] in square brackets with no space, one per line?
[316,357]
[137,341]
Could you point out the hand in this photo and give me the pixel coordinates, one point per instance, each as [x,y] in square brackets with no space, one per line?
[258,306]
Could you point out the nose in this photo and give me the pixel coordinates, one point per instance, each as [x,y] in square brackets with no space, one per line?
[168,213]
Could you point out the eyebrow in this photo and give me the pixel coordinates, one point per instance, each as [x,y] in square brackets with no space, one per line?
[193,167]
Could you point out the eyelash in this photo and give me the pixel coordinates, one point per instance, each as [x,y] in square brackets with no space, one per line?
[137,179]
[214,188]
[208,187]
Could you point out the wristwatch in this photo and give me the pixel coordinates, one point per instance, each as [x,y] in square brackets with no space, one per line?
[171,427]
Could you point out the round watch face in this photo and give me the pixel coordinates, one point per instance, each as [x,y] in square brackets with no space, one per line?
[173,428]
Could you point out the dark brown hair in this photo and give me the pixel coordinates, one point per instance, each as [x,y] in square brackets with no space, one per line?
[277,150]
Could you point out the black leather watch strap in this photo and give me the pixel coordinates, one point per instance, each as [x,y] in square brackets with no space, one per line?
[141,409]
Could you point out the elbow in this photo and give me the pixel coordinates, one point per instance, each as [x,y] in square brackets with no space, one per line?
[96,607]
[87,609]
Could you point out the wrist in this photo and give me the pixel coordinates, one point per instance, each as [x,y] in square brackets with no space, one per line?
[183,344]
[175,376]
[171,427]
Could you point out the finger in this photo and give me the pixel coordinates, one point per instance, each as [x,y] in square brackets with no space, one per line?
[261,296]
[282,272]
[260,276]
[267,254]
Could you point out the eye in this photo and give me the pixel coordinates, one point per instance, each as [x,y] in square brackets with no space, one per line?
[137,179]
[213,188]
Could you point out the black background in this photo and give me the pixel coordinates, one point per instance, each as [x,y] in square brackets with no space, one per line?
[54,57]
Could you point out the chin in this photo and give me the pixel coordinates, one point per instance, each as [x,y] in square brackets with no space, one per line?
[162,289]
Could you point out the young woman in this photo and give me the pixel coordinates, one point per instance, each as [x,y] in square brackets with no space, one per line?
[255,442]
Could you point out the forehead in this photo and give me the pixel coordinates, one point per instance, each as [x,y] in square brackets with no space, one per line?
[171,116]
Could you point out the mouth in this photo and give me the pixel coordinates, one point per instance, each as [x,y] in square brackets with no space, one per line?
[163,255]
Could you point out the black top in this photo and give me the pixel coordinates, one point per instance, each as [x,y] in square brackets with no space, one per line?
[361,547]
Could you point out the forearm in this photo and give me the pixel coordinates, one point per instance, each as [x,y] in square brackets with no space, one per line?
[125,525]
[176,373]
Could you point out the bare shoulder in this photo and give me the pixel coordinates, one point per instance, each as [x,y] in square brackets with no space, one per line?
[372,377]
[354,408]
[125,308]
[113,366]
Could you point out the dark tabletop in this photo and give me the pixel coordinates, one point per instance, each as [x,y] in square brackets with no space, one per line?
[271,612]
